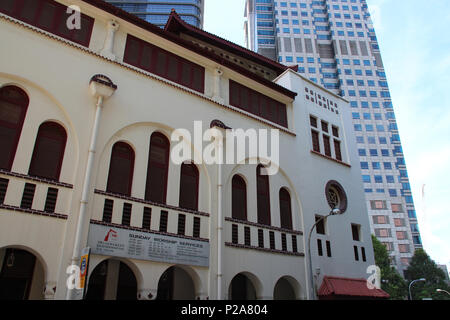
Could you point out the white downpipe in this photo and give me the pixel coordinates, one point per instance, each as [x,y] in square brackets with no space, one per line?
[219,220]
[85,193]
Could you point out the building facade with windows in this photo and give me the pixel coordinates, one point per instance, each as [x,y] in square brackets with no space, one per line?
[333,42]
[157,12]
[91,123]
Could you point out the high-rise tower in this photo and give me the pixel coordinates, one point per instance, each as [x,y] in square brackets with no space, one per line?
[157,12]
[334,44]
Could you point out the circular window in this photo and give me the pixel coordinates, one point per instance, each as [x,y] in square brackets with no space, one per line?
[336,196]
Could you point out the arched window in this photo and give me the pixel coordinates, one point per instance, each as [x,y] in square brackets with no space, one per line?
[121,167]
[238,198]
[158,165]
[48,151]
[189,186]
[285,209]
[13,107]
[263,196]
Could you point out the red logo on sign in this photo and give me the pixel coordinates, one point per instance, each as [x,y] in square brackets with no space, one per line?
[111,233]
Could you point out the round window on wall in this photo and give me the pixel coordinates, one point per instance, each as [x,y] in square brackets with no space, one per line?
[336,196]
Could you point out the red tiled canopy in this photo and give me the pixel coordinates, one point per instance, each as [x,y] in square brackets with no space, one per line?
[338,287]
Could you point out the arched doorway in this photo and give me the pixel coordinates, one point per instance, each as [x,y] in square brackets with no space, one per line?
[112,280]
[175,284]
[284,290]
[22,275]
[241,288]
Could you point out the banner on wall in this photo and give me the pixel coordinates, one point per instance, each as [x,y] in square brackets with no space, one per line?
[118,242]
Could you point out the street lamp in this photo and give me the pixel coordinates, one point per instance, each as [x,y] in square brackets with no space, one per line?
[334,212]
[440,290]
[409,288]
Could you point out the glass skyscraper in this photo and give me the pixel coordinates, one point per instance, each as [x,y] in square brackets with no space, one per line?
[157,12]
[334,44]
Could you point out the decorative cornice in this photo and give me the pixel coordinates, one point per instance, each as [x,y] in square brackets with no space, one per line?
[36,179]
[33,211]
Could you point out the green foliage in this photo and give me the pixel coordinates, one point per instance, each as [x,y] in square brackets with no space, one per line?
[391,281]
[421,266]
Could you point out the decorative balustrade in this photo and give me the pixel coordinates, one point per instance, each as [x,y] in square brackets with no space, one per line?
[23,193]
[143,215]
[250,235]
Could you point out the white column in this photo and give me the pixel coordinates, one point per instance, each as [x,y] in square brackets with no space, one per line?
[108,47]
[112,279]
[217,82]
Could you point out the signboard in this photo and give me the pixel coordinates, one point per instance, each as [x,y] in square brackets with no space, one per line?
[110,241]
[84,263]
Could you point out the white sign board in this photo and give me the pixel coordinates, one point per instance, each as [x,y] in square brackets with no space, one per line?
[132,244]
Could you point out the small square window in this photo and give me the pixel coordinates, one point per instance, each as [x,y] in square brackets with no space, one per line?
[356,232]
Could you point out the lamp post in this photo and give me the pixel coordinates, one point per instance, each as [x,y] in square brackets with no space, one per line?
[333,212]
[440,290]
[412,282]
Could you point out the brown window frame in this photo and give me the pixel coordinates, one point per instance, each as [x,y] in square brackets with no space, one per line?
[125,151]
[326,145]
[138,59]
[313,121]
[238,209]
[189,170]
[126,213]
[247,236]
[256,103]
[324,125]
[108,210]
[181,228]
[234,234]
[263,195]
[22,102]
[147,218]
[285,210]
[196,227]
[337,149]
[163,221]
[319,248]
[58,20]
[335,131]
[315,140]
[36,164]
[328,247]
[153,163]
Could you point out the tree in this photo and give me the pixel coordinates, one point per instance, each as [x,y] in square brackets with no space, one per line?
[391,281]
[421,266]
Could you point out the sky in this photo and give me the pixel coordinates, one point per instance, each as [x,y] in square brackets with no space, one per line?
[416,54]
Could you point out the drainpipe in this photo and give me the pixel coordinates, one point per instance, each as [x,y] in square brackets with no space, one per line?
[219,220]
[219,136]
[101,87]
